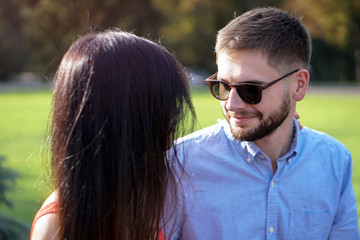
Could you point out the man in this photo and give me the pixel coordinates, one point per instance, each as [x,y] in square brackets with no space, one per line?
[255,175]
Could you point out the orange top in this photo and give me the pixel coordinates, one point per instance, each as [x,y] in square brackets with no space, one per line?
[52,208]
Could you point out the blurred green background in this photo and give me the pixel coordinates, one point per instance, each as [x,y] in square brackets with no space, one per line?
[34,35]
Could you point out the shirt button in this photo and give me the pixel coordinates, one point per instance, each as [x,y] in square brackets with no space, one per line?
[289,160]
[271,230]
[262,156]
[248,160]
[272,183]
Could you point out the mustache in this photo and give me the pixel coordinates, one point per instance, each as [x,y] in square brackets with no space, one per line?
[245,113]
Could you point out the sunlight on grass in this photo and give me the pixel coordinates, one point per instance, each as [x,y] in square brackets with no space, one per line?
[22,134]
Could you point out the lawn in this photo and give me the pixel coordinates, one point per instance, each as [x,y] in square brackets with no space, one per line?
[23,124]
[24,118]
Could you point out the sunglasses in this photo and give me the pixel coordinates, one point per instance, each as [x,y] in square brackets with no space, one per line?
[250,93]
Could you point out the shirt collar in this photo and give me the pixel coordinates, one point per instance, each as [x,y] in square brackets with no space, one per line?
[249,151]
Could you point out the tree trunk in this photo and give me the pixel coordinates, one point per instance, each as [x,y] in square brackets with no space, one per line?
[357,65]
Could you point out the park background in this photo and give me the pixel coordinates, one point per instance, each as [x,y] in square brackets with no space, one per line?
[34,34]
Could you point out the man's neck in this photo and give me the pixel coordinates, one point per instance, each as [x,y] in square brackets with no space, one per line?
[278,143]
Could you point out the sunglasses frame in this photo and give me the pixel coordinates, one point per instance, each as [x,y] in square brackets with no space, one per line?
[260,87]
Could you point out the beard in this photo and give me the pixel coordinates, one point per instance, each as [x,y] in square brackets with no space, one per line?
[266,126]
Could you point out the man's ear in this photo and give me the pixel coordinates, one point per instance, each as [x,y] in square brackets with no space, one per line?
[301,83]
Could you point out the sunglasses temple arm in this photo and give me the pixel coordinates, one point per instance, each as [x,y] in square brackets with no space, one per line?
[211,77]
[280,78]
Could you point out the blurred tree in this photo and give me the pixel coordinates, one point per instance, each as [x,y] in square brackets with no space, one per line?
[54,24]
[189,30]
[335,24]
[13,49]
[10,228]
[187,27]
[192,25]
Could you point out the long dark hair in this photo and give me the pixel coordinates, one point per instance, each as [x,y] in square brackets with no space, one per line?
[118,103]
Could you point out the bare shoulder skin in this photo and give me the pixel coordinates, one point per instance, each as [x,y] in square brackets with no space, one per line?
[46,226]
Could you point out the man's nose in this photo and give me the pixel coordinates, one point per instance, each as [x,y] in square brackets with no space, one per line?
[235,103]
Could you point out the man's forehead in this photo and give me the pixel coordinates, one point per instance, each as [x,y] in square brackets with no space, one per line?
[244,64]
[241,57]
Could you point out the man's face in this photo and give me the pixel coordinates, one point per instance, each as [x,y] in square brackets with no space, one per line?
[251,122]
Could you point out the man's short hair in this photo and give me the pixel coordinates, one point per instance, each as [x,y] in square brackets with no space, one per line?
[279,35]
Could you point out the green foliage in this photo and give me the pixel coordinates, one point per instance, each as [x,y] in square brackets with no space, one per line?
[34,34]
[54,25]
[7,181]
[331,69]
[335,24]
[192,25]
[331,20]
[9,227]
[13,50]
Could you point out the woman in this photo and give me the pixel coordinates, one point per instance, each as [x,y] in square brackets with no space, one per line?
[119,101]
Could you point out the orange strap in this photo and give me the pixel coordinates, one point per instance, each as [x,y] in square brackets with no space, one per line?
[161,235]
[50,208]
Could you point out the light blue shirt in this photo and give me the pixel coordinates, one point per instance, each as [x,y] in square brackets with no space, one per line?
[231,191]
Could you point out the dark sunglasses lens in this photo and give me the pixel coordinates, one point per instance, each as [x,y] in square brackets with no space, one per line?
[249,93]
[220,90]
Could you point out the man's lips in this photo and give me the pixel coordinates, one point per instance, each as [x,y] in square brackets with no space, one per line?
[241,120]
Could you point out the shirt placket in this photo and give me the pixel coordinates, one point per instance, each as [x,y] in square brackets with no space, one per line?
[272,209]
[273,201]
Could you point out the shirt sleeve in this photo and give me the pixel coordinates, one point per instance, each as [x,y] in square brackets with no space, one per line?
[172,222]
[172,219]
[345,225]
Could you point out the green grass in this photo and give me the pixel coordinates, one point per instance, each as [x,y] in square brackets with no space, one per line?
[23,124]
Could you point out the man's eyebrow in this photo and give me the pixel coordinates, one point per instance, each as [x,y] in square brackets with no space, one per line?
[256,82]
[252,81]
[222,79]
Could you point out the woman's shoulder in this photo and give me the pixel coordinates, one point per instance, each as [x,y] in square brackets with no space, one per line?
[45,227]
[51,199]
[45,221]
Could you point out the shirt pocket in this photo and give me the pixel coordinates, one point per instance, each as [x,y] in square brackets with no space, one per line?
[309,225]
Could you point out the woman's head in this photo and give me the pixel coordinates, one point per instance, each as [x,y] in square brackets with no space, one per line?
[118,100]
